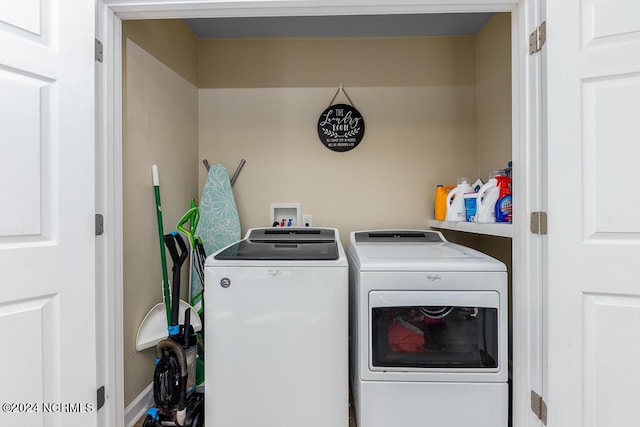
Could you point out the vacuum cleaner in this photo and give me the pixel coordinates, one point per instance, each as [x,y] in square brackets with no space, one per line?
[174,384]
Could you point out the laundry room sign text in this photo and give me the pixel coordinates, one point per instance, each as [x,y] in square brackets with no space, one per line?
[341,127]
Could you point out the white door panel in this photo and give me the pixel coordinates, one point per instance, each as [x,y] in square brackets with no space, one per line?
[609,21]
[593,116]
[611,126]
[611,392]
[47,275]
[27,16]
[20,172]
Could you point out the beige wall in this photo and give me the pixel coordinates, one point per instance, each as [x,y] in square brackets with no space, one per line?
[493,92]
[325,62]
[170,41]
[435,108]
[160,127]
[263,100]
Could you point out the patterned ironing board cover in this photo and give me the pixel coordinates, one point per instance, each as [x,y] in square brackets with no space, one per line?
[219,224]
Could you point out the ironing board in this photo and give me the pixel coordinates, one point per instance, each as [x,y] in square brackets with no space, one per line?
[219,224]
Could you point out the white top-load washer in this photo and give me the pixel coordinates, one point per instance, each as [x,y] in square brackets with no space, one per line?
[428,331]
[276,330]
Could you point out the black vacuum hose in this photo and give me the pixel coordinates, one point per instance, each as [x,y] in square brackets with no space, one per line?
[182,362]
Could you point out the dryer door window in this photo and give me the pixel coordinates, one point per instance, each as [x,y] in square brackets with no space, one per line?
[435,331]
[435,337]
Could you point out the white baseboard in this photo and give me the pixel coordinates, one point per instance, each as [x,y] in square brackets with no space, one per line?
[136,409]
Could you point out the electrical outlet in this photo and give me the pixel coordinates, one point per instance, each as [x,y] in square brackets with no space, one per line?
[307,220]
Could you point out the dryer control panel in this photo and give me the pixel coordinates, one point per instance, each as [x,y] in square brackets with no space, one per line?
[399,236]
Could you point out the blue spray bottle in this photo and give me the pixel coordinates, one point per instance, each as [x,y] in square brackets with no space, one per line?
[504,204]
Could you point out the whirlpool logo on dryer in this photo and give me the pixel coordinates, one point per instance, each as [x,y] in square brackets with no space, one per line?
[433,277]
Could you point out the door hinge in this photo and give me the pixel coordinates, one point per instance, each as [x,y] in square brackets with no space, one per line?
[99,225]
[539,407]
[539,223]
[98,50]
[538,38]
[100,398]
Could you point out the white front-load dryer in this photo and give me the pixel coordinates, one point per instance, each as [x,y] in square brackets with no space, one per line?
[428,331]
[276,331]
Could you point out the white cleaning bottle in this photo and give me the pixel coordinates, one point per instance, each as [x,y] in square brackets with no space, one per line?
[486,201]
[456,209]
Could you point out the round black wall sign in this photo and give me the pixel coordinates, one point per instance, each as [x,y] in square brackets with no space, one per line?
[341,127]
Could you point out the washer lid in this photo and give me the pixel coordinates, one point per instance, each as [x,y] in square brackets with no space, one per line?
[297,244]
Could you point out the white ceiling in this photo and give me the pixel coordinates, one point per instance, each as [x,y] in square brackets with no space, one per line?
[341,26]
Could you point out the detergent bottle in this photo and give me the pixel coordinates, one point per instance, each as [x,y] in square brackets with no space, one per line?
[486,200]
[440,202]
[503,208]
[456,209]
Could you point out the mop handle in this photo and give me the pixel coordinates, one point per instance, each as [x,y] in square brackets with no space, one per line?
[163,258]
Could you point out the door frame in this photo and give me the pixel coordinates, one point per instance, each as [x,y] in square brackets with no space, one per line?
[528,251]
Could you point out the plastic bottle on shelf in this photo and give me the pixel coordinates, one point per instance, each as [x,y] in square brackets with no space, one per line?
[486,200]
[440,202]
[470,200]
[503,206]
[456,209]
